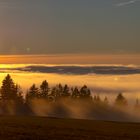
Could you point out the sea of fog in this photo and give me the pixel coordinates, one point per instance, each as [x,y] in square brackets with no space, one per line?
[103,80]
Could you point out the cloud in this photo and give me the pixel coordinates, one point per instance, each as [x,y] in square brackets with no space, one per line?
[78,70]
[126,3]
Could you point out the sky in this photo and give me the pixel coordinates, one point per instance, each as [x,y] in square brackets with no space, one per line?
[69,27]
[72,59]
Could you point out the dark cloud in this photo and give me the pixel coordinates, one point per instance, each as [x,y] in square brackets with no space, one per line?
[80,70]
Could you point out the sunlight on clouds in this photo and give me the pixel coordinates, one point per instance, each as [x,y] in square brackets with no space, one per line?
[71,59]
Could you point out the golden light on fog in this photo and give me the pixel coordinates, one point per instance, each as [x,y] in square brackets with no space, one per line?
[116,78]
[104,85]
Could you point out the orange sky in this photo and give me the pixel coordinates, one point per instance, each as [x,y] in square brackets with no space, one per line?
[71,59]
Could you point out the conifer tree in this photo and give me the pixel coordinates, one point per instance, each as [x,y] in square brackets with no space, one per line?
[9,90]
[44,89]
[85,93]
[75,93]
[120,100]
[32,93]
[66,91]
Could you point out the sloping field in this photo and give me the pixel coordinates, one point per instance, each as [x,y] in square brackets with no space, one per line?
[36,128]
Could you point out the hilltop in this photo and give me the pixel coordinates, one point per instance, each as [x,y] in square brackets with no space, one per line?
[31,128]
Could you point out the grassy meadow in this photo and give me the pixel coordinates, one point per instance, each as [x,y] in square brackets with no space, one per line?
[43,128]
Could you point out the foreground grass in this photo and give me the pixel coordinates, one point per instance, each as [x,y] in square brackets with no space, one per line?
[36,128]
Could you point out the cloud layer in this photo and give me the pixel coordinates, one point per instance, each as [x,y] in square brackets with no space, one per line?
[79,70]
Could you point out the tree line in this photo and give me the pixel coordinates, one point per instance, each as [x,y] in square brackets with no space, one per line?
[12,95]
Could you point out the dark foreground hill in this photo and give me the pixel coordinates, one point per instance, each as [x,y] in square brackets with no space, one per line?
[41,128]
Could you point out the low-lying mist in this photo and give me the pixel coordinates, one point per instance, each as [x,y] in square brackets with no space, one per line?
[64,101]
[77,109]
[85,110]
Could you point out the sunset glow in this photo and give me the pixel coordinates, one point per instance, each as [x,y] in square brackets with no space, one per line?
[69,69]
[72,59]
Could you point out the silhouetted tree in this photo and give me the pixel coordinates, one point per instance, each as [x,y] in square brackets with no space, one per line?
[56,92]
[32,93]
[75,93]
[9,91]
[120,100]
[44,89]
[53,92]
[66,92]
[11,94]
[59,90]
[19,93]
[85,93]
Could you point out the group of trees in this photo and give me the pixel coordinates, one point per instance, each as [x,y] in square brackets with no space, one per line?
[11,92]
[56,93]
